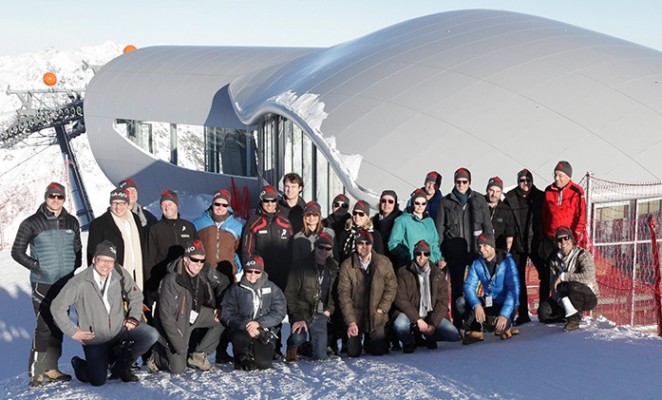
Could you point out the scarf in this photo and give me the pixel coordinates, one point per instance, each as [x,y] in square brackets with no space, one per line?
[462,197]
[424,286]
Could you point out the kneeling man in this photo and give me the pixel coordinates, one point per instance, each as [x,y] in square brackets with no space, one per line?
[110,335]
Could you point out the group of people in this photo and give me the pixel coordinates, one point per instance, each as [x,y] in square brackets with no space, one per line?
[175,291]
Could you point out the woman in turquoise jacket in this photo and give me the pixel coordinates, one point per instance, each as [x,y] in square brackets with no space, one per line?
[411,227]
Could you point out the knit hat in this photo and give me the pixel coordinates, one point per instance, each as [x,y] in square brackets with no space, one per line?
[312,207]
[525,173]
[169,195]
[268,193]
[195,248]
[462,173]
[364,236]
[433,176]
[564,167]
[55,188]
[106,248]
[128,183]
[495,181]
[254,263]
[119,195]
[362,205]
[324,239]
[341,198]
[420,246]
[221,194]
[418,193]
[391,193]
[486,238]
[562,231]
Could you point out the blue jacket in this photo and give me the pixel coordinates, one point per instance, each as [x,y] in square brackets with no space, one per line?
[237,308]
[503,286]
[231,224]
[55,246]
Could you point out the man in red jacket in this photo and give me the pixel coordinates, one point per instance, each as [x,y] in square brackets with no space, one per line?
[563,205]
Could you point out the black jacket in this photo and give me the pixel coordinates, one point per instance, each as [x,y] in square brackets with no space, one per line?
[166,242]
[293,214]
[503,223]
[176,301]
[104,228]
[527,213]
[459,224]
[269,236]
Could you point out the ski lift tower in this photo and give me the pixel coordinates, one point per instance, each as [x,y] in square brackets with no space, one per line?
[61,109]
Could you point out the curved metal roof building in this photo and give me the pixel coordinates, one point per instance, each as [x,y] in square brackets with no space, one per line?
[492,91]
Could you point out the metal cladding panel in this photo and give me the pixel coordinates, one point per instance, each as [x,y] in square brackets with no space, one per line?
[492,91]
[500,91]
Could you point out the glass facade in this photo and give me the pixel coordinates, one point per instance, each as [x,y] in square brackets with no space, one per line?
[275,147]
[284,148]
[221,150]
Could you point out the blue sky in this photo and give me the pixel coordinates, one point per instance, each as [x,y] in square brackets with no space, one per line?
[34,25]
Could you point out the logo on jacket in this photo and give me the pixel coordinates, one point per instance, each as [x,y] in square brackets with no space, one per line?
[283,234]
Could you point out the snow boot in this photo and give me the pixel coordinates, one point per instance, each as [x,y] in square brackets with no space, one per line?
[200,361]
[121,368]
[472,337]
[573,322]
[55,375]
[291,354]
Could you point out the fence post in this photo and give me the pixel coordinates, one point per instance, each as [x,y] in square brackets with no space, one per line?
[658,279]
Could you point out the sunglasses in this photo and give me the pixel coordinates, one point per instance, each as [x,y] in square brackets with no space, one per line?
[197,260]
[422,253]
[461,182]
[359,213]
[269,201]
[562,238]
[340,205]
[224,205]
[389,201]
[56,196]
[252,271]
[524,180]
[419,203]
[364,243]
[325,248]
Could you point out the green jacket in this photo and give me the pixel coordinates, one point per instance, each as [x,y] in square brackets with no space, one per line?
[303,289]
[408,229]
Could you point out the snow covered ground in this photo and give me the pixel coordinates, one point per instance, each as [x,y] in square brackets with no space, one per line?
[601,361]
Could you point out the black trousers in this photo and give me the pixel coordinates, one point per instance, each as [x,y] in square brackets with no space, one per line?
[251,353]
[580,295]
[374,343]
[521,260]
[47,341]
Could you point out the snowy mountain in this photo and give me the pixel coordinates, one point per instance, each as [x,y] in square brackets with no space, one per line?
[599,361]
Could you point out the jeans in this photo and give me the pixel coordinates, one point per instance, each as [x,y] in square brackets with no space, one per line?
[317,334]
[404,330]
[98,356]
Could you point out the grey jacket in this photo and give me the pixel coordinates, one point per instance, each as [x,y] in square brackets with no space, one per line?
[83,292]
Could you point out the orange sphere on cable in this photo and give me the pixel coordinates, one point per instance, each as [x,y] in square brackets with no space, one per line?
[129,48]
[50,79]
